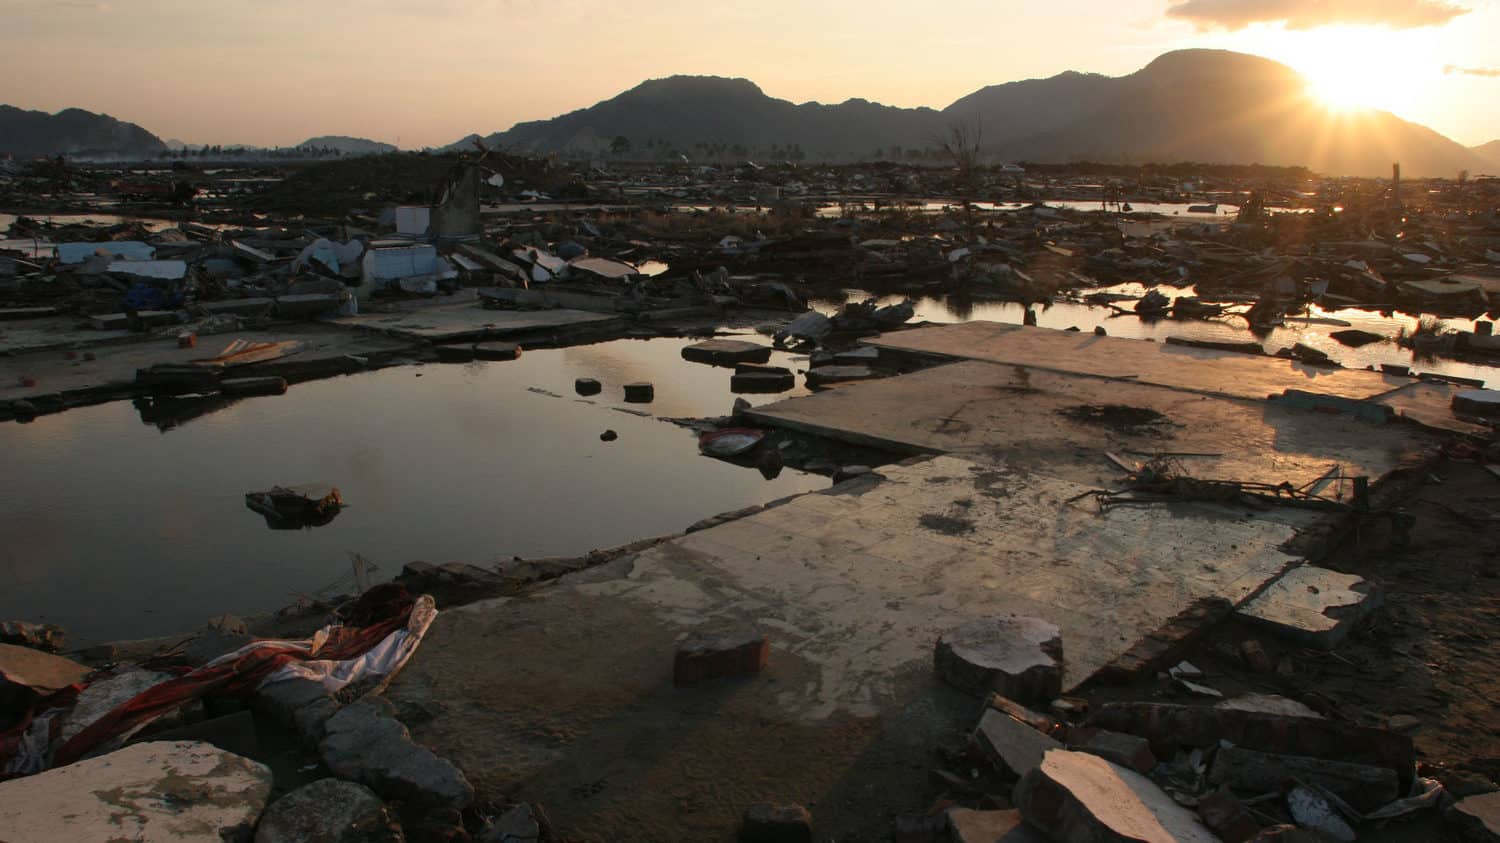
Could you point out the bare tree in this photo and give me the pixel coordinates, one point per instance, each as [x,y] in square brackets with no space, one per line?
[962,145]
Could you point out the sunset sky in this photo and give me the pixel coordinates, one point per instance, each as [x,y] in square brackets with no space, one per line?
[427,72]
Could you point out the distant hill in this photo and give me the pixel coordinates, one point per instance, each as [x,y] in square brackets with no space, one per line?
[1490,152]
[347,145]
[1211,106]
[73,132]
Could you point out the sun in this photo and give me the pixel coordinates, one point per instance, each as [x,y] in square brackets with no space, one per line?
[1353,68]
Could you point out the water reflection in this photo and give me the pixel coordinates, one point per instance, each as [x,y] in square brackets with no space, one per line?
[439,462]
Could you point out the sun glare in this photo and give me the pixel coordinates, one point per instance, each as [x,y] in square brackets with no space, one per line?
[1356,67]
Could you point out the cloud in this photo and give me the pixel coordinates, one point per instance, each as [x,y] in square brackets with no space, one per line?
[1490,72]
[1308,14]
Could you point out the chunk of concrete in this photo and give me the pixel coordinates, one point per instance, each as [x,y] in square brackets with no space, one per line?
[517,825]
[160,791]
[329,811]
[969,826]
[723,352]
[1477,818]
[103,695]
[767,823]
[1269,704]
[496,350]
[300,704]
[1016,656]
[1227,816]
[1129,751]
[1010,744]
[825,375]
[1313,812]
[1080,797]
[1363,786]
[1314,606]
[702,657]
[363,742]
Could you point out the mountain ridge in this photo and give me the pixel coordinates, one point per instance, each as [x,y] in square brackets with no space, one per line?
[72,131]
[1212,106]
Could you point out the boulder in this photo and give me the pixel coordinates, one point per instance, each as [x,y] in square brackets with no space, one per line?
[329,811]
[363,742]
[1018,657]
[1075,796]
[158,791]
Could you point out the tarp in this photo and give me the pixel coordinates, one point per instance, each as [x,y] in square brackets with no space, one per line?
[334,657]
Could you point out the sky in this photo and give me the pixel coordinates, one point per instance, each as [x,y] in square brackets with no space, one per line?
[428,72]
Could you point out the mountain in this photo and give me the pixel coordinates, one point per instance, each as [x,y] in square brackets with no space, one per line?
[347,145]
[682,112]
[73,132]
[1212,106]
[1490,152]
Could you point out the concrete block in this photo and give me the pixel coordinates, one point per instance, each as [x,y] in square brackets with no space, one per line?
[496,350]
[825,375]
[1314,606]
[1363,786]
[1018,657]
[1075,796]
[725,352]
[160,791]
[703,657]
[1010,744]
[1130,751]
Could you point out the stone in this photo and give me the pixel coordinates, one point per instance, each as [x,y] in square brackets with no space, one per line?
[1227,816]
[1129,751]
[230,624]
[300,704]
[517,825]
[1404,723]
[1256,656]
[706,656]
[825,375]
[849,472]
[1199,726]
[363,742]
[767,823]
[1075,796]
[1069,707]
[640,393]
[722,352]
[497,350]
[39,671]
[1477,818]
[211,643]
[969,826]
[756,382]
[1463,783]
[1363,786]
[159,791]
[1477,402]
[587,386]
[1313,606]
[608,436]
[329,811]
[1018,657]
[40,636]
[1010,745]
[1314,813]
[1269,704]
[104,695]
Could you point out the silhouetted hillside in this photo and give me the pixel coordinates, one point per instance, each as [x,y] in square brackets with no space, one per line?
[73,132]
[1191,105]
